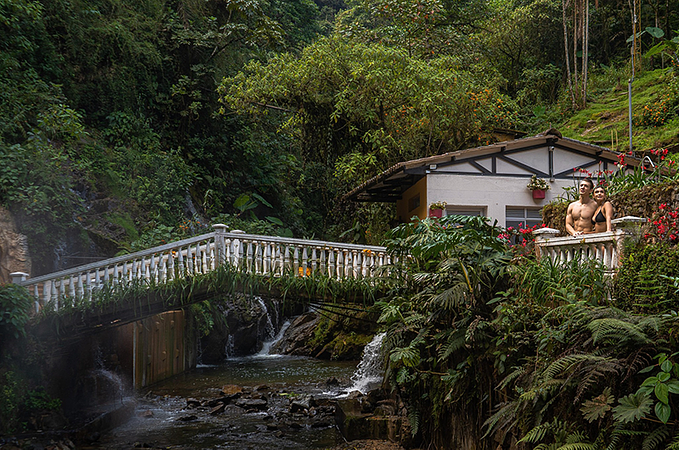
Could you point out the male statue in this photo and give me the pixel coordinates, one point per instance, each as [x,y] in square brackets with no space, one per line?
[580,213]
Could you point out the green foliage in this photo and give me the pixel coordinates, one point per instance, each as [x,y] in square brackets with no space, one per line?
[10,398]
[15,306]
[640,283]
[364,107]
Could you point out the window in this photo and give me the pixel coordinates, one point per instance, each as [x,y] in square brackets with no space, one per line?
[465,210]
[414,202]
[526,217]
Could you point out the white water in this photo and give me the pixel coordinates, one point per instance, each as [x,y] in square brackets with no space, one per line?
[266,347]
[370,370]
[269,329]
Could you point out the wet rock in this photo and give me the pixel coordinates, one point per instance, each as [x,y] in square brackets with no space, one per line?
[302,403]
[354,395]
[297,336]
[192,403]
[233,409]
[147,414]
[332,381]
[218,409]
[250,404]
[261,387]
[231,390]
[187,418]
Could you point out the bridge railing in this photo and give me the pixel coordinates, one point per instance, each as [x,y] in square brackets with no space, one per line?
[605,247]
[265,255]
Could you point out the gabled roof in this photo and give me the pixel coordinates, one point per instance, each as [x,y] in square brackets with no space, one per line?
[389,185]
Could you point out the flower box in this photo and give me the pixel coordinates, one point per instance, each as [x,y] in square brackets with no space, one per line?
[538,194]
[436,213]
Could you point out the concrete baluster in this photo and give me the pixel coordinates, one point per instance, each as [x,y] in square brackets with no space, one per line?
[258,258]
[220,243]
[351,269]
[204,256]
[267,259]
[181,264]
[323,266]
[55,293]
[340,263]
[171,275]
[286,259]
[313,260]
[37,296]
[81,287]
[305,261]
[211,255]
[52,292]
[332,267]
[348,264]
[295,262]
[190,260]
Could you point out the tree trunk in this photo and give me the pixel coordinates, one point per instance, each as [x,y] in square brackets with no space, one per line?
[564,4]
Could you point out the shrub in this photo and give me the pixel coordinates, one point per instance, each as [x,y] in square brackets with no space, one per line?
[640,283]
[15,304]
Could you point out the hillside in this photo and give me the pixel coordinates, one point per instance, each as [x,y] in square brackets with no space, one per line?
[605,120]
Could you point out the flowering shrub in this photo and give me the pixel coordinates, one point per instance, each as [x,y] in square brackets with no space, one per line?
[657,113]
[537,183]
[438,205]
[521,239]
[663,226]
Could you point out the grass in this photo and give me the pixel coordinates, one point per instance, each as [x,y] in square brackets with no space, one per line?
[605,120]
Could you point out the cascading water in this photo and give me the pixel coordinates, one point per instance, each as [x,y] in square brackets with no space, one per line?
[266,347]
[370,370]
[269,329]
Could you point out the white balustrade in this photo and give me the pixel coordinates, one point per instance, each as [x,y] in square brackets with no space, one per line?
[268,255]
[605,247]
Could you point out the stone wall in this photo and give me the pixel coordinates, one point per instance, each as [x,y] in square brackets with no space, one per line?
[14,255]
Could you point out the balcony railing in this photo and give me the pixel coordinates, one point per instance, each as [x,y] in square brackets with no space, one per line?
[605,247]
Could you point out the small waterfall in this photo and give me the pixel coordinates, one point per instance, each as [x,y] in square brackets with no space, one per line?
[370,370]
[229,346]
[269,329]
[266,347]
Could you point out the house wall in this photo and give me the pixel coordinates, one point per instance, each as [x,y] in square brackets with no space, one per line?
[403,207]
[494,193]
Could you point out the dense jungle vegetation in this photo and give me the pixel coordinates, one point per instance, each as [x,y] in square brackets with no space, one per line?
[126,124]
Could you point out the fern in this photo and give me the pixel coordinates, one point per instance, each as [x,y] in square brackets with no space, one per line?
[567,362]
[414,420]
[617,331]
[656,437]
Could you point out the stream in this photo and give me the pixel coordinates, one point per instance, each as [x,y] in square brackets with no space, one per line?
[257,402]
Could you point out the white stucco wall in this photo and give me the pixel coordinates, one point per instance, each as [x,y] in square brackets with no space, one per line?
[494,193]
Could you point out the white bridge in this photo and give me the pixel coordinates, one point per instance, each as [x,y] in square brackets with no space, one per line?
[265,255]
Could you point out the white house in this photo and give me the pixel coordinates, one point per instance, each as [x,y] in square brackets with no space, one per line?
[491,180]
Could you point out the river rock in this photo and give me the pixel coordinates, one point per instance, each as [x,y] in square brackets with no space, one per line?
[192,403]
[248,403]
[301,403]
[231,390]
[217,409]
